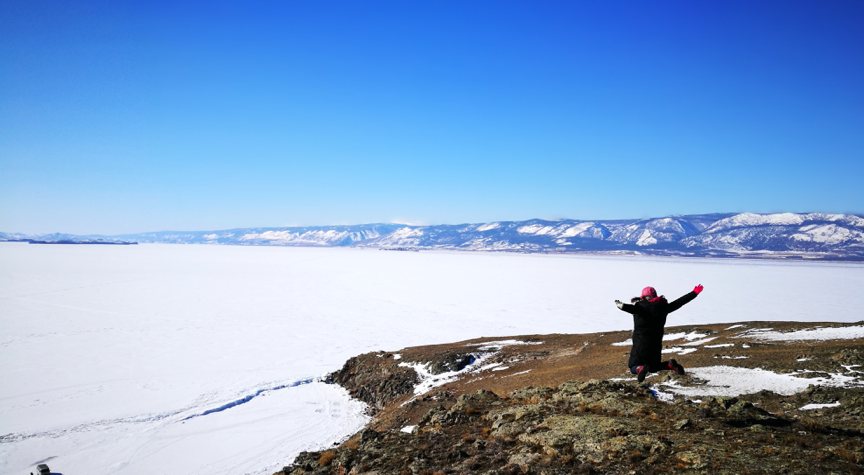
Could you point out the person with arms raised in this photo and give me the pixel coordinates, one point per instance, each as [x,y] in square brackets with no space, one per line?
[649,321]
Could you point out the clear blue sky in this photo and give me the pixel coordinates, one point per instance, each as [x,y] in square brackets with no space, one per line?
[140,116]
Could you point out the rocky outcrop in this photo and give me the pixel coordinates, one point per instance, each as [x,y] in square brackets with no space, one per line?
[555,404]
[600,427]
[377,380]
[450,361]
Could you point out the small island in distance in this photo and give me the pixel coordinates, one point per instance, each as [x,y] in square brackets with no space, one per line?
[92,241]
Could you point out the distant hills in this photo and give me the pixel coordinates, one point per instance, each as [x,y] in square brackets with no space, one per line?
[783,235]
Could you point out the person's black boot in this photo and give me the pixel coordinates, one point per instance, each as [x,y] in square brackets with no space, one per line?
[643,371]
[674,366]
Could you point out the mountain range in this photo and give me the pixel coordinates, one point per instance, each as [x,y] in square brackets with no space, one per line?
[782,235]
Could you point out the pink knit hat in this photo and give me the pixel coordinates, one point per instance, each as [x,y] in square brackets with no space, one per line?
[649,292]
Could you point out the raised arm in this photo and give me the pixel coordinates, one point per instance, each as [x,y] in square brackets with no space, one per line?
[625,306]
[686,298]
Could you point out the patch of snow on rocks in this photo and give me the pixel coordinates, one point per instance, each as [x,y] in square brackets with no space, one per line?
[492,366]
[839,333]
[516,374]
[699,342]
[734,381]
[497,345]
[627,342]
[810,407]
[687,336]
[695,336]
[429,381]
[662,395]
[407,429]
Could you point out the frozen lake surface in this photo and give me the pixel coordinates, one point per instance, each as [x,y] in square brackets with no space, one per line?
[201,359]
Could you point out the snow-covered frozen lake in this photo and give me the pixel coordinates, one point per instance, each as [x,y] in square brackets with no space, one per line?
[196,359]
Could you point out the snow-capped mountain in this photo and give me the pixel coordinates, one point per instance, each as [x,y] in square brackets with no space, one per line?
[40,237]
[287,236]
[812,232]
[817,235]
[653,231]
[562,235]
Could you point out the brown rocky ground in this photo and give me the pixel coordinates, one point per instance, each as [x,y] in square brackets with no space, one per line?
[533,414]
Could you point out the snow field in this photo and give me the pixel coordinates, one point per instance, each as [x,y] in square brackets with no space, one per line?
[734,381]
[105,350]
[251,439]
[809,334]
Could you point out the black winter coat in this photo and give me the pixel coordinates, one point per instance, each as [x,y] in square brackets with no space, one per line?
[649,320]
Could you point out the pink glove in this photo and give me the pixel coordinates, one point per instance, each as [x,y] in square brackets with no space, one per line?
[698,289]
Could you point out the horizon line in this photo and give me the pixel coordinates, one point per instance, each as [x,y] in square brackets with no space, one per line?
[860,215]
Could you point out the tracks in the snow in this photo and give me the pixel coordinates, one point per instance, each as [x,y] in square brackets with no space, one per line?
[145,418]
[252,396]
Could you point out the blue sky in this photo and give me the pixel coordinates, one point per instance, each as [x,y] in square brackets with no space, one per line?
[123,117]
